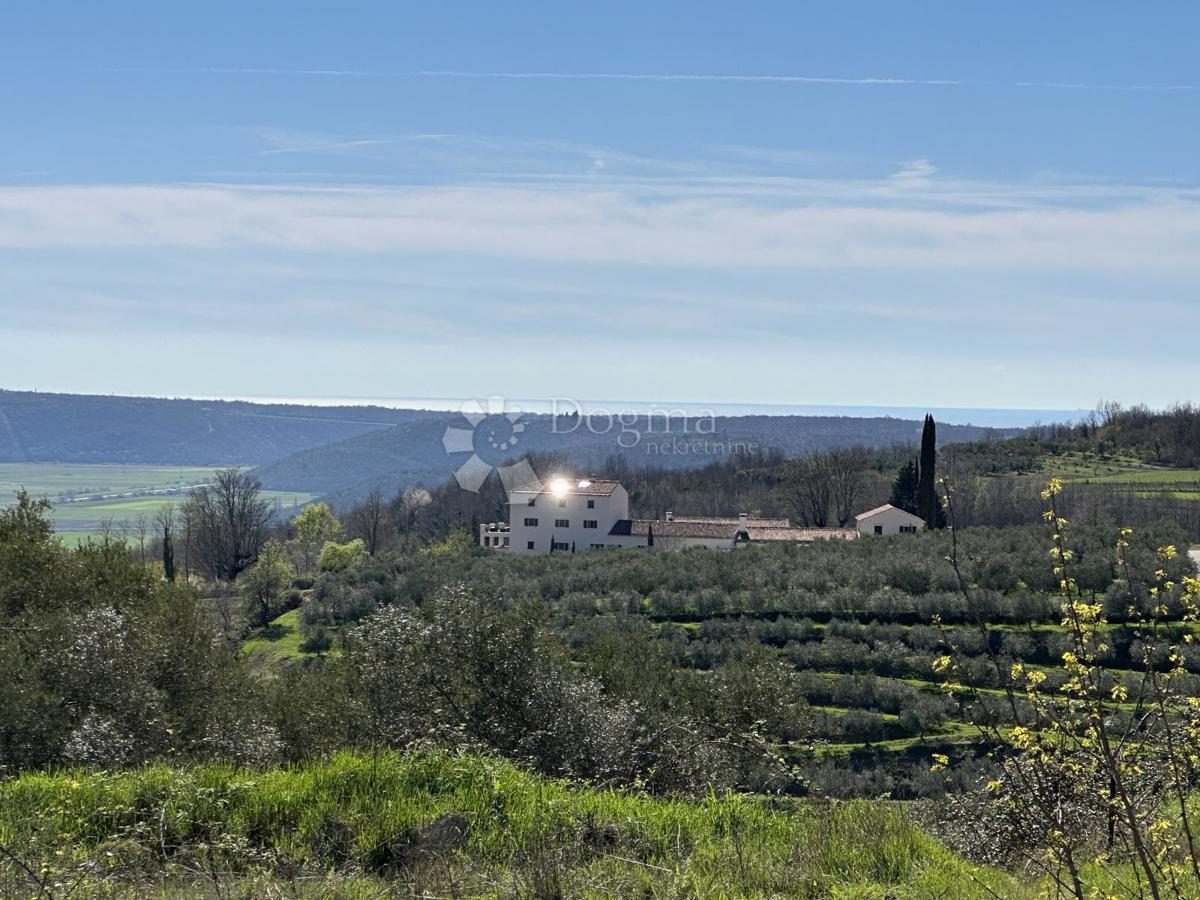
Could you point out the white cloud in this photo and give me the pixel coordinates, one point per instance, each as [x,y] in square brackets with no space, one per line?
[915,171]
[724,224]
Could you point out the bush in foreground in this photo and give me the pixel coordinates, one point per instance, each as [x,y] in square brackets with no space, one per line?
[447,825]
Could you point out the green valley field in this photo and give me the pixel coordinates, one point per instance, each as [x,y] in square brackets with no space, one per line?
[89,498]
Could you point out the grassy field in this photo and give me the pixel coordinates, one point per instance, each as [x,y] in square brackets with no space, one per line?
[87,497]
[1089,467]
[442,825]
[1077,466]
[1127,472]
[280,642]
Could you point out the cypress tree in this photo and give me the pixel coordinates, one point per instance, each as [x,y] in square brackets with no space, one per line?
[168,554]
[929,507]
[904,488]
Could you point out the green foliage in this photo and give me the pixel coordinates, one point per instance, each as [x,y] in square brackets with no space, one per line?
[339,557]
[904,489]
[262,585]
[100,661]
[456,543]
[168,555]
[459,824]
[1094,773]
[314,527]
[927,499]
[462,672]
[827,648]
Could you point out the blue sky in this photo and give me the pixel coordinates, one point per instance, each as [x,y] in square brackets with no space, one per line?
[943,204]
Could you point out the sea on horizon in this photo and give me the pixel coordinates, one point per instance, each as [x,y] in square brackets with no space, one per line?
[980,416]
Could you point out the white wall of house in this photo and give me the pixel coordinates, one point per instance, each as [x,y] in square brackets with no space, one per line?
[538,517]
[566,515]
[889,520]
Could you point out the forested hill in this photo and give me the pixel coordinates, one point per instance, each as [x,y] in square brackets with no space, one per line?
[73,428]
[343,451]
[1167,438]
[412,453]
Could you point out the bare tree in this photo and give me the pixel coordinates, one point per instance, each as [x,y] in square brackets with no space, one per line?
[189,534]
[108,529]
[369,520]
[847,481]
[141,528]
[229,520]
[164,523]
[810,490]
[407,506]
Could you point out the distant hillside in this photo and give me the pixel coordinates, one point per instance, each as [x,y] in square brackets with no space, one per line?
[1112,435]
[412,453]
[74,428]
[342,452]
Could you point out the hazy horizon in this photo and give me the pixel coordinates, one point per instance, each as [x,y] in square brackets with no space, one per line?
[995,417]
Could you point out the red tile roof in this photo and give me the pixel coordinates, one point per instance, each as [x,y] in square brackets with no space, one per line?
[884,508]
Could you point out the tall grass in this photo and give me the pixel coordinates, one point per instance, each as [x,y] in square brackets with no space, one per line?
[437,824]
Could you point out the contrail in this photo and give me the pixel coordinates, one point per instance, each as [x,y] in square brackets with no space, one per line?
[335,72]
[637,76]
[685,77]
[802,79]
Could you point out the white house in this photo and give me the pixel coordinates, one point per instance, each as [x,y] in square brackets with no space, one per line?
[569,515]
[888,519]
[563,515]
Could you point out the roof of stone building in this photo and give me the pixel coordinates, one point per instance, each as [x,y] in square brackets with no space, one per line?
[802,535]
[734,520]
[725,528]
[662,528]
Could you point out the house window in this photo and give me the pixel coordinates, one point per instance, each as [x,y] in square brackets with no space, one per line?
[506,540]
[591,504]
[533,501]
[562,502]
[590,523]
[562,523]
[908,529]
[597,546]
[487,542]
[879,529]
[561,545]
[529,546]
[531,523]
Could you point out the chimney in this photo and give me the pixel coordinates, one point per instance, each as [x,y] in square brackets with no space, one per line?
[669,516]
[742,535]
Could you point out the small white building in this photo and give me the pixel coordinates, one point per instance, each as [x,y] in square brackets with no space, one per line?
[888,519]
[567,515]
